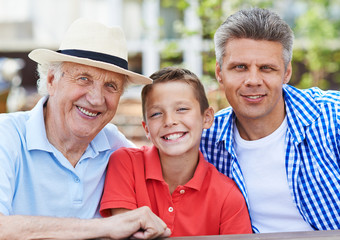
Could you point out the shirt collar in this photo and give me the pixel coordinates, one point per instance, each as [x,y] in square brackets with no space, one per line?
[36,137]
[301,110]
[201,171]
[35,128]
[153,168]
[226,135]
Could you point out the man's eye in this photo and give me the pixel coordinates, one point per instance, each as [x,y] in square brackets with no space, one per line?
[267,68]
[84,78]
[240,67]
[112,86]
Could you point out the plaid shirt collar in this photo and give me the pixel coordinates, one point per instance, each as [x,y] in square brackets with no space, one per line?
[301,110]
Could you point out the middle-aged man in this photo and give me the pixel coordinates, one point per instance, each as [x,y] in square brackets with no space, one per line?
[53,158]
[278,143]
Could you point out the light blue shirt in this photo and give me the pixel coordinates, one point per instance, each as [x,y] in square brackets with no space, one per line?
[36,179]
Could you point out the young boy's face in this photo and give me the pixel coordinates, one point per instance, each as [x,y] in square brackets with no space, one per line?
[174,121]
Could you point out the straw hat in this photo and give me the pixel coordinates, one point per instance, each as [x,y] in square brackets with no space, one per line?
[93,44]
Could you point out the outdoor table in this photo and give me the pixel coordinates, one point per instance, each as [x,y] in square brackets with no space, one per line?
[324,235]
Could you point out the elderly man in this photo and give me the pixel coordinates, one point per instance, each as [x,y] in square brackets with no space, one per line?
[53,158]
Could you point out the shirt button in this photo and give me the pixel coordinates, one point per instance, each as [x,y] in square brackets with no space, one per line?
[182,191]
[77,180]
[171,209]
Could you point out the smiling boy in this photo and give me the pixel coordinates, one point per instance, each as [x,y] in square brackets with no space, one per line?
[172,177]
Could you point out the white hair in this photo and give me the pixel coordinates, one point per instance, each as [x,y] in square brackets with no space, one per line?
[43,70]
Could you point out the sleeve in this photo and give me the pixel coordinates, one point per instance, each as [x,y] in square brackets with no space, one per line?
[234,216]
[119,190]
[116,138]
[9,154]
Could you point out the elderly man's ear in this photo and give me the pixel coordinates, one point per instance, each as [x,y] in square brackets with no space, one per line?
[51,82]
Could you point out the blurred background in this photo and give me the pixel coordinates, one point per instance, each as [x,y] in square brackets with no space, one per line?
[160,33]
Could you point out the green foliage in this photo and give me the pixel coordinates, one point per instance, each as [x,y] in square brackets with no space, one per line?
[171,55]
[319,31]
[179,4]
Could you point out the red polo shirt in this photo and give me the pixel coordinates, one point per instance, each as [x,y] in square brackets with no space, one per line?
[209,204]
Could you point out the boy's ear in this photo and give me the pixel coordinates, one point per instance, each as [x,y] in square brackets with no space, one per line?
[146,129]
[208,118]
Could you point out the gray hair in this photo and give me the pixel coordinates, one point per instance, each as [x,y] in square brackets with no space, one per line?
[256,24]
[43,72]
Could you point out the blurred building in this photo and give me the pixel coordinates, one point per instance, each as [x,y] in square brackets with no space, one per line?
[29,24]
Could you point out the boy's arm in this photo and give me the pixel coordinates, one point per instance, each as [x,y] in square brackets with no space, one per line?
[140,223]
[120,181]
[235,217]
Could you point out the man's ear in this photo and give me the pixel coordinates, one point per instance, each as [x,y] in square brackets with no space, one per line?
[288,73]
[218,72]
[50,82]
[146,129]
[208,118]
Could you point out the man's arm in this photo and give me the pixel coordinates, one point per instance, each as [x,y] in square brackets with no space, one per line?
[140,223]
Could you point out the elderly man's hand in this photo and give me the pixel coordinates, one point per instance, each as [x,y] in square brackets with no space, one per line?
[140,223]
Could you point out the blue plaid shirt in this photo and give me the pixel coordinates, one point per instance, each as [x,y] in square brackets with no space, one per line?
[312,154]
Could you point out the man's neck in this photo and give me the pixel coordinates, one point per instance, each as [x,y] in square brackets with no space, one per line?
[258,128]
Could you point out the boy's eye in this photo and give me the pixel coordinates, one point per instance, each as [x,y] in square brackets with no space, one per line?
[182,109]
[155,114]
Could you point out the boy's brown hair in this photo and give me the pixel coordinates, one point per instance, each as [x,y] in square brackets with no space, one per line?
[172,74]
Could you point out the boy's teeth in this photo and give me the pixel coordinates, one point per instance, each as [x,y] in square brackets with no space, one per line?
[173,136]
[87,112]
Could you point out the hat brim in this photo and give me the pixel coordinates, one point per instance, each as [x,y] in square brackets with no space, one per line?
[43,56]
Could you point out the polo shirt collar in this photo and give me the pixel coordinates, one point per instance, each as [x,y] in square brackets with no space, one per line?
[35,128]
[199,176]
[36,137]
[153,169]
